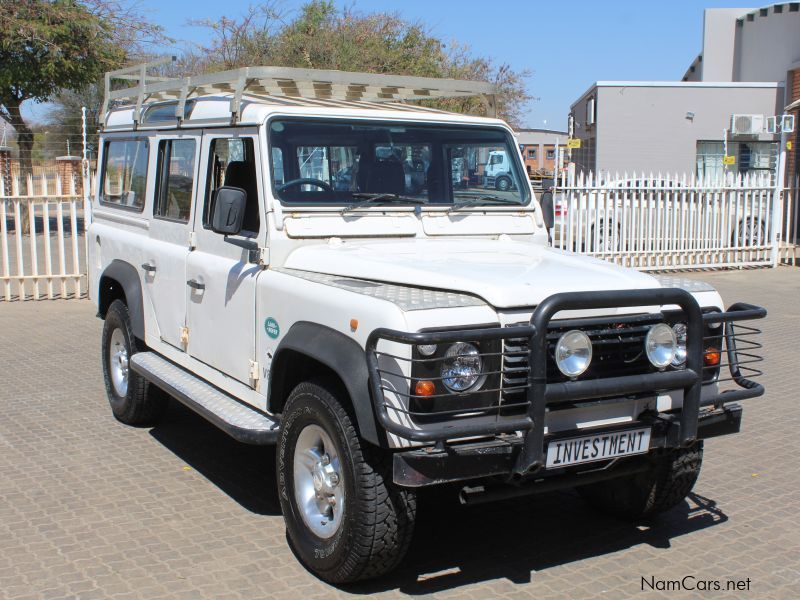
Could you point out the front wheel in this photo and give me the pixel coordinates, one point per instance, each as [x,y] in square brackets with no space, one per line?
[657,490]
[345,519]
[503,184]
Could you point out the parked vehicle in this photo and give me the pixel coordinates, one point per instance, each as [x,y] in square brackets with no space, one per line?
[499,173]
[387,337]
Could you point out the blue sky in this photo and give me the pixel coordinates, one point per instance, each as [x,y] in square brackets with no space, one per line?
[566,45]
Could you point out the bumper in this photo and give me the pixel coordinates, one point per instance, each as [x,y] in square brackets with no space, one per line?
[525,455]
[497,458]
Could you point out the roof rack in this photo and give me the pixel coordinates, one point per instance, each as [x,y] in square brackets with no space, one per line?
[284,82]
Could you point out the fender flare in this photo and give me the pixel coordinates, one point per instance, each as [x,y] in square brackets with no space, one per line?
[128,277]
[340,353]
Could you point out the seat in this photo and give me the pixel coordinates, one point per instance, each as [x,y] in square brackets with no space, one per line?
[242,175]
[385,177]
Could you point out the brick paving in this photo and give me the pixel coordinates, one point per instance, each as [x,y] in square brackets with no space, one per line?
[90,508]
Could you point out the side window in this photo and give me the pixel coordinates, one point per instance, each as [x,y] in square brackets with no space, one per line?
[125,173]
[175,180]
[232,164]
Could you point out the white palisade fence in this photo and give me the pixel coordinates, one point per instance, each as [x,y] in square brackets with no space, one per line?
[670,222]
[42,249]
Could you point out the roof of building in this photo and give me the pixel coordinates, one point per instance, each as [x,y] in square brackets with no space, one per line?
[681,84]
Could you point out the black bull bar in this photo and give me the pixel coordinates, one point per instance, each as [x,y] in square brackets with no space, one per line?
[540,394]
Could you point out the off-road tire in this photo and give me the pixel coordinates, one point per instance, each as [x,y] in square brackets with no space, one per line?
[647,494]
[378,519]
[144,403]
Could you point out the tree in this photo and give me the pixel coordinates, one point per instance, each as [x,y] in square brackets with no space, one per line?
[323,36]
[58,46]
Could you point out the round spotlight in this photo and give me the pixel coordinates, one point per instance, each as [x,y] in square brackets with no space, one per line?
[661,345]
[680,337]
[427,349]
[573,353]
[462,367]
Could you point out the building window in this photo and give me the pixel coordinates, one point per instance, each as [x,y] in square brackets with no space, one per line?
[591,111]
[751,158]
[551,154]
[532,153]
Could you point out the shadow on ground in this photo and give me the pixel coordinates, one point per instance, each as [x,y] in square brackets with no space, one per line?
[453,545]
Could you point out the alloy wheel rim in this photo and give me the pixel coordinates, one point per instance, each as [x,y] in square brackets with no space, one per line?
[118,362]
[318,483]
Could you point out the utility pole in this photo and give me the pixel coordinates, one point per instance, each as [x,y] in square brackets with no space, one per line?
[87,205]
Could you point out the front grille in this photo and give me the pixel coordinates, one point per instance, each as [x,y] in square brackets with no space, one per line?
[617,349]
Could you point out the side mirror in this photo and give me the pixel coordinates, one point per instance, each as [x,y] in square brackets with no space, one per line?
[229,207]
[548,213]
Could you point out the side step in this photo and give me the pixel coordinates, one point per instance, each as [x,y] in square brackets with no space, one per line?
[241,422]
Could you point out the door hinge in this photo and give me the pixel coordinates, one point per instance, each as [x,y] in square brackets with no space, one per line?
[185,336]
[255,375]
[192,240]
[263,257]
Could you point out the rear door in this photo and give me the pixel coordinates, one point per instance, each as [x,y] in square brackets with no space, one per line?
[170,228]
[221,305]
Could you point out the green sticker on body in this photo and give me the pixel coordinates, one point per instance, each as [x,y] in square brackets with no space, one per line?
[272,328]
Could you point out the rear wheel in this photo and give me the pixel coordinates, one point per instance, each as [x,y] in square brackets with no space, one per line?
[345,519]
[646,494]
[134,401]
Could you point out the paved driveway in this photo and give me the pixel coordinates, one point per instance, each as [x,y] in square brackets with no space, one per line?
[90,508]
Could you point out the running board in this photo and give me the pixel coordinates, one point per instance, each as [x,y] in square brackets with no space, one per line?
[241,422]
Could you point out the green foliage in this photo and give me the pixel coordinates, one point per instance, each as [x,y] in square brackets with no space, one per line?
[322,36]
[46,45]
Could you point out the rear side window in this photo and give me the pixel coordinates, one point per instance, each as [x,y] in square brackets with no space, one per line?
[175,180]
[125,173]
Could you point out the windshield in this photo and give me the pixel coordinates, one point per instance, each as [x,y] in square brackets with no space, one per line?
[321,162]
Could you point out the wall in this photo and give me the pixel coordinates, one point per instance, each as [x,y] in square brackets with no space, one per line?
[719,31]
[644,127]
[767,44]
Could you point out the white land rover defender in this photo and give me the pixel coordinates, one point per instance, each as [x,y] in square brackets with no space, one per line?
[308,264]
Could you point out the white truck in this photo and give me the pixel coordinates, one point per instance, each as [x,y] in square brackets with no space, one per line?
[258,254]
[500,173]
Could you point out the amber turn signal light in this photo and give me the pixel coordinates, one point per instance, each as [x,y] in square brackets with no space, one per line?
[424,388]
[712,357]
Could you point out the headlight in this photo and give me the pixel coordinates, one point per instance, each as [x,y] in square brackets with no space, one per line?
[680,337]
[462,367]
[573,353]
[661,345]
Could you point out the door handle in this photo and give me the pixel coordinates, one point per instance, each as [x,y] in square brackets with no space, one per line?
[196,285]
[148,267]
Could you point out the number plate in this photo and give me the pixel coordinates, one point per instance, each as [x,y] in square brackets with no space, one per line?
[601,446]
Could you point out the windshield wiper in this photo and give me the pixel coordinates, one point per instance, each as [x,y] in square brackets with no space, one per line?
[379,198]
[482,201]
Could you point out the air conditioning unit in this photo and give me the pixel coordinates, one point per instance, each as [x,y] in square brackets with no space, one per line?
[747,124]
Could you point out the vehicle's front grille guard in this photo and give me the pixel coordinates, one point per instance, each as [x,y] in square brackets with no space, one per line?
[740,354]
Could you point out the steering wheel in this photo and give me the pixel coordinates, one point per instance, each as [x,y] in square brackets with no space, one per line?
[303,181]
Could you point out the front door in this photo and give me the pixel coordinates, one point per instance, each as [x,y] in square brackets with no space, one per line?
[221,305]
[175,163]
